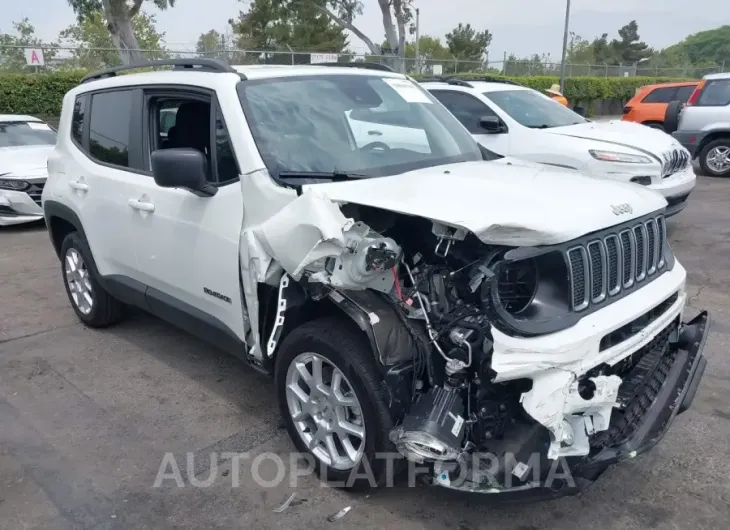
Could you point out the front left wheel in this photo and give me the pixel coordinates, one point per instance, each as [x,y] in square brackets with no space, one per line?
[328,386]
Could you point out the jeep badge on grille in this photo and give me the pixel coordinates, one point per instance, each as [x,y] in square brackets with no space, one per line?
[622,208]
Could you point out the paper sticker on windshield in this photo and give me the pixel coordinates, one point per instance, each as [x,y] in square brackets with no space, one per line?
[407,90]
[38,126]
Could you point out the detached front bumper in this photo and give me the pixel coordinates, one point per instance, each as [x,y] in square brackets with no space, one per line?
[679,375]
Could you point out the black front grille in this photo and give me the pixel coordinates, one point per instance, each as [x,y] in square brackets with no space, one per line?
[35,191]
[643,374]
[636,252]
[674,161]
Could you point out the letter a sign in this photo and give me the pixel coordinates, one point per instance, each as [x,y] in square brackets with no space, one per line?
[34,57]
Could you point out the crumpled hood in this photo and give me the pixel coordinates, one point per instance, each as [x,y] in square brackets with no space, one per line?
[24,161]
[507,202]
[626,134]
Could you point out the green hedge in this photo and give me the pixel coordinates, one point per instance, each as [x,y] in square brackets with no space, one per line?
[41,94]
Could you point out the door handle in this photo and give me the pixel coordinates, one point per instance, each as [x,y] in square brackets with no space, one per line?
[78,185]
[375,133]
[143,206]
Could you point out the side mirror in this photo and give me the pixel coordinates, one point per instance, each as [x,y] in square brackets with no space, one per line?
[182,167]
[491,124]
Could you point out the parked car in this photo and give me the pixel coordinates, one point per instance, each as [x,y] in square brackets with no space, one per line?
[434,298]
[513,120]
[703,125]
[649,105]
[25,143]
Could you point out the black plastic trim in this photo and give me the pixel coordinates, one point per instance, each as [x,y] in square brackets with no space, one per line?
[53,209]
[357,64]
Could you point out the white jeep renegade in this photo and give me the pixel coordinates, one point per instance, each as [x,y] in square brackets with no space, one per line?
[436,300]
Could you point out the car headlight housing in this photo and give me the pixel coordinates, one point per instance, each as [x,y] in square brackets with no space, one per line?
[14,185]
[615,156]
[530,296]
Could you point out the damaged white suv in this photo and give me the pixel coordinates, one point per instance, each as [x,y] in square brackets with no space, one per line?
[438,300]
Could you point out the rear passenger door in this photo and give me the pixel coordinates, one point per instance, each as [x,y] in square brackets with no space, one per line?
[104,170]
[188,245]
[469,110]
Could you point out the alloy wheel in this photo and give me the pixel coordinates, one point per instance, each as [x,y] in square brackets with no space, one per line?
[718,159]
[325,411]
[78,281]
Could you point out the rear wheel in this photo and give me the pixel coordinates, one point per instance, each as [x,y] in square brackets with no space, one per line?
[715,158]
[328,387]
[92,304]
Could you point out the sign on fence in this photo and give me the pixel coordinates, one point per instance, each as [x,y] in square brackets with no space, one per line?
[323,58]
[34,57]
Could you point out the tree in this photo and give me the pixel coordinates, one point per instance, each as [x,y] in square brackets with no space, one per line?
[579,50]
[343,12]
[94,47]
[12,54]
[118,15]
[271,25]
[705,48]
[629,49]
[468,45]
[209,42]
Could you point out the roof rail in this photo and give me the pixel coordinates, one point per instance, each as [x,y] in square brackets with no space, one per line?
[449,80]
[359,64]
[206,65]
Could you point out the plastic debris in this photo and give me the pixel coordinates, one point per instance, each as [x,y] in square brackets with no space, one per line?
[286,503]
[339,515]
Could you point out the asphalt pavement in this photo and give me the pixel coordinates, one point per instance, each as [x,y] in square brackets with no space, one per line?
[87,417]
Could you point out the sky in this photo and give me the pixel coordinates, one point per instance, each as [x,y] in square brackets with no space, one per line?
[522,27]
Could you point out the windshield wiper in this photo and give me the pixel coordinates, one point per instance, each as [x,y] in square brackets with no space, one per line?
[334,175]
[543,126]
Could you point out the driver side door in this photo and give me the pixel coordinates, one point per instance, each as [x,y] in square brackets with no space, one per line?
[469,110]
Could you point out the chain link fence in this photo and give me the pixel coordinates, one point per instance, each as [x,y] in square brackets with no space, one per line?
[13,59]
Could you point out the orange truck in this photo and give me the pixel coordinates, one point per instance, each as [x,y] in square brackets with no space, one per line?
[649,104]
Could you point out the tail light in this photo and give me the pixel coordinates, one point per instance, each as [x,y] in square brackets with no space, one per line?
[627,110]
[695,95]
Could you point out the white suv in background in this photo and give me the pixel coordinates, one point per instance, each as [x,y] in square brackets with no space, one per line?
[25,143]
[414,293]
[513,120]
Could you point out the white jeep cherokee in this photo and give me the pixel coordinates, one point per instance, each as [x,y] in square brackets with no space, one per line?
[440,301]
[513,120]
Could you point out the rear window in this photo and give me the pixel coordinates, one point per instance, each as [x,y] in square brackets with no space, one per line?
[109,127]
[661,95]
[22,133]
[684,92]
[716,93]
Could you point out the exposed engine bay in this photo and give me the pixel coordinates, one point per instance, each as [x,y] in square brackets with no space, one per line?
[435,296]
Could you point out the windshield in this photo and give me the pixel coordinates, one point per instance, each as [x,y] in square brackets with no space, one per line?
[19,133]
[532,109]
[355,125]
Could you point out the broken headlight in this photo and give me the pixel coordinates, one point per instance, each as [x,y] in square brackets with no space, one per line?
[529,295]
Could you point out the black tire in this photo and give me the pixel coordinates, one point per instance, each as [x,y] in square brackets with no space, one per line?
[720,142]
[105,309]
[347,348]
[671,116]
[655,125]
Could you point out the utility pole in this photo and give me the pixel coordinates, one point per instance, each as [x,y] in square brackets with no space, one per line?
[565,45]
[418,38]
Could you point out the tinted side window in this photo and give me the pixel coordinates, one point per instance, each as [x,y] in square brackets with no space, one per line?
[661,95]
[109,127]
[77,121]
[715,94]
[227,168]
[684,92]
[467,109]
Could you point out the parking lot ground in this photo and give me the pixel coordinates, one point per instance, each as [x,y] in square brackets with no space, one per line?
[87,416]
